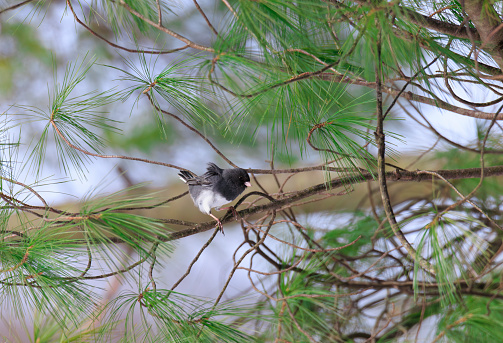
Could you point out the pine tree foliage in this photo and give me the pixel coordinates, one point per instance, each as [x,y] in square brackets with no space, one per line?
[381,244]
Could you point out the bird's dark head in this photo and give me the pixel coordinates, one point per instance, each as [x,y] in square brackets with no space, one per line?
[238,176]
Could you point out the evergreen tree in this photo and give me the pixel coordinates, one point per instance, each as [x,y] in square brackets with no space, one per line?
[349,234]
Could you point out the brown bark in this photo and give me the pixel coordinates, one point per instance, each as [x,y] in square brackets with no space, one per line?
[489,25]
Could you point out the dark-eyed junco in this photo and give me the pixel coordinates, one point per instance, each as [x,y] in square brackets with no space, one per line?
[215,188]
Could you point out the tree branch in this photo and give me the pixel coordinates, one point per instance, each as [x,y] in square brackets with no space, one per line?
[380,140]
[163,29]
[160,52]
[402,176]
[13,7]
[412,96]
[487,20]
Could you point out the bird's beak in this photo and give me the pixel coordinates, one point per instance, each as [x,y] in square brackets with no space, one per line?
[247,184]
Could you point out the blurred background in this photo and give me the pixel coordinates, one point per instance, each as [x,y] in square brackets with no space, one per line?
[38,41]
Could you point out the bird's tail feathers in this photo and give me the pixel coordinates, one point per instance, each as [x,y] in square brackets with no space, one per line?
[185,175]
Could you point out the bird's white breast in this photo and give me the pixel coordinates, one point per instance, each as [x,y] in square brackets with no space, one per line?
[208,200]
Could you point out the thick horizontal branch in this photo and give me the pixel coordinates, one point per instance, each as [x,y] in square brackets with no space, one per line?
[399,176]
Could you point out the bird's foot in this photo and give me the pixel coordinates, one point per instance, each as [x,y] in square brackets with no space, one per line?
[233,210]
[219,226]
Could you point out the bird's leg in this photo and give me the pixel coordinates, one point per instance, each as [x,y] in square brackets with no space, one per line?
[233,210]
[219,224]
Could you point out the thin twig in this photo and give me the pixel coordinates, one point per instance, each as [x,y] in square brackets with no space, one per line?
[380,140]
[28,188]
[159,12]
[112,44]
[23,260]
[112,156]
[450,326]
[205,17]
[13,7]
[189,268]
[152,264]
[236,265]
[191,129]
[162,28]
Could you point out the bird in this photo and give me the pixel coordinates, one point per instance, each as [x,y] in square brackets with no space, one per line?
[215,188]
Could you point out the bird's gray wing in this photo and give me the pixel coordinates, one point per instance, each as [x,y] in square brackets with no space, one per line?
[199,181]
[212,171]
